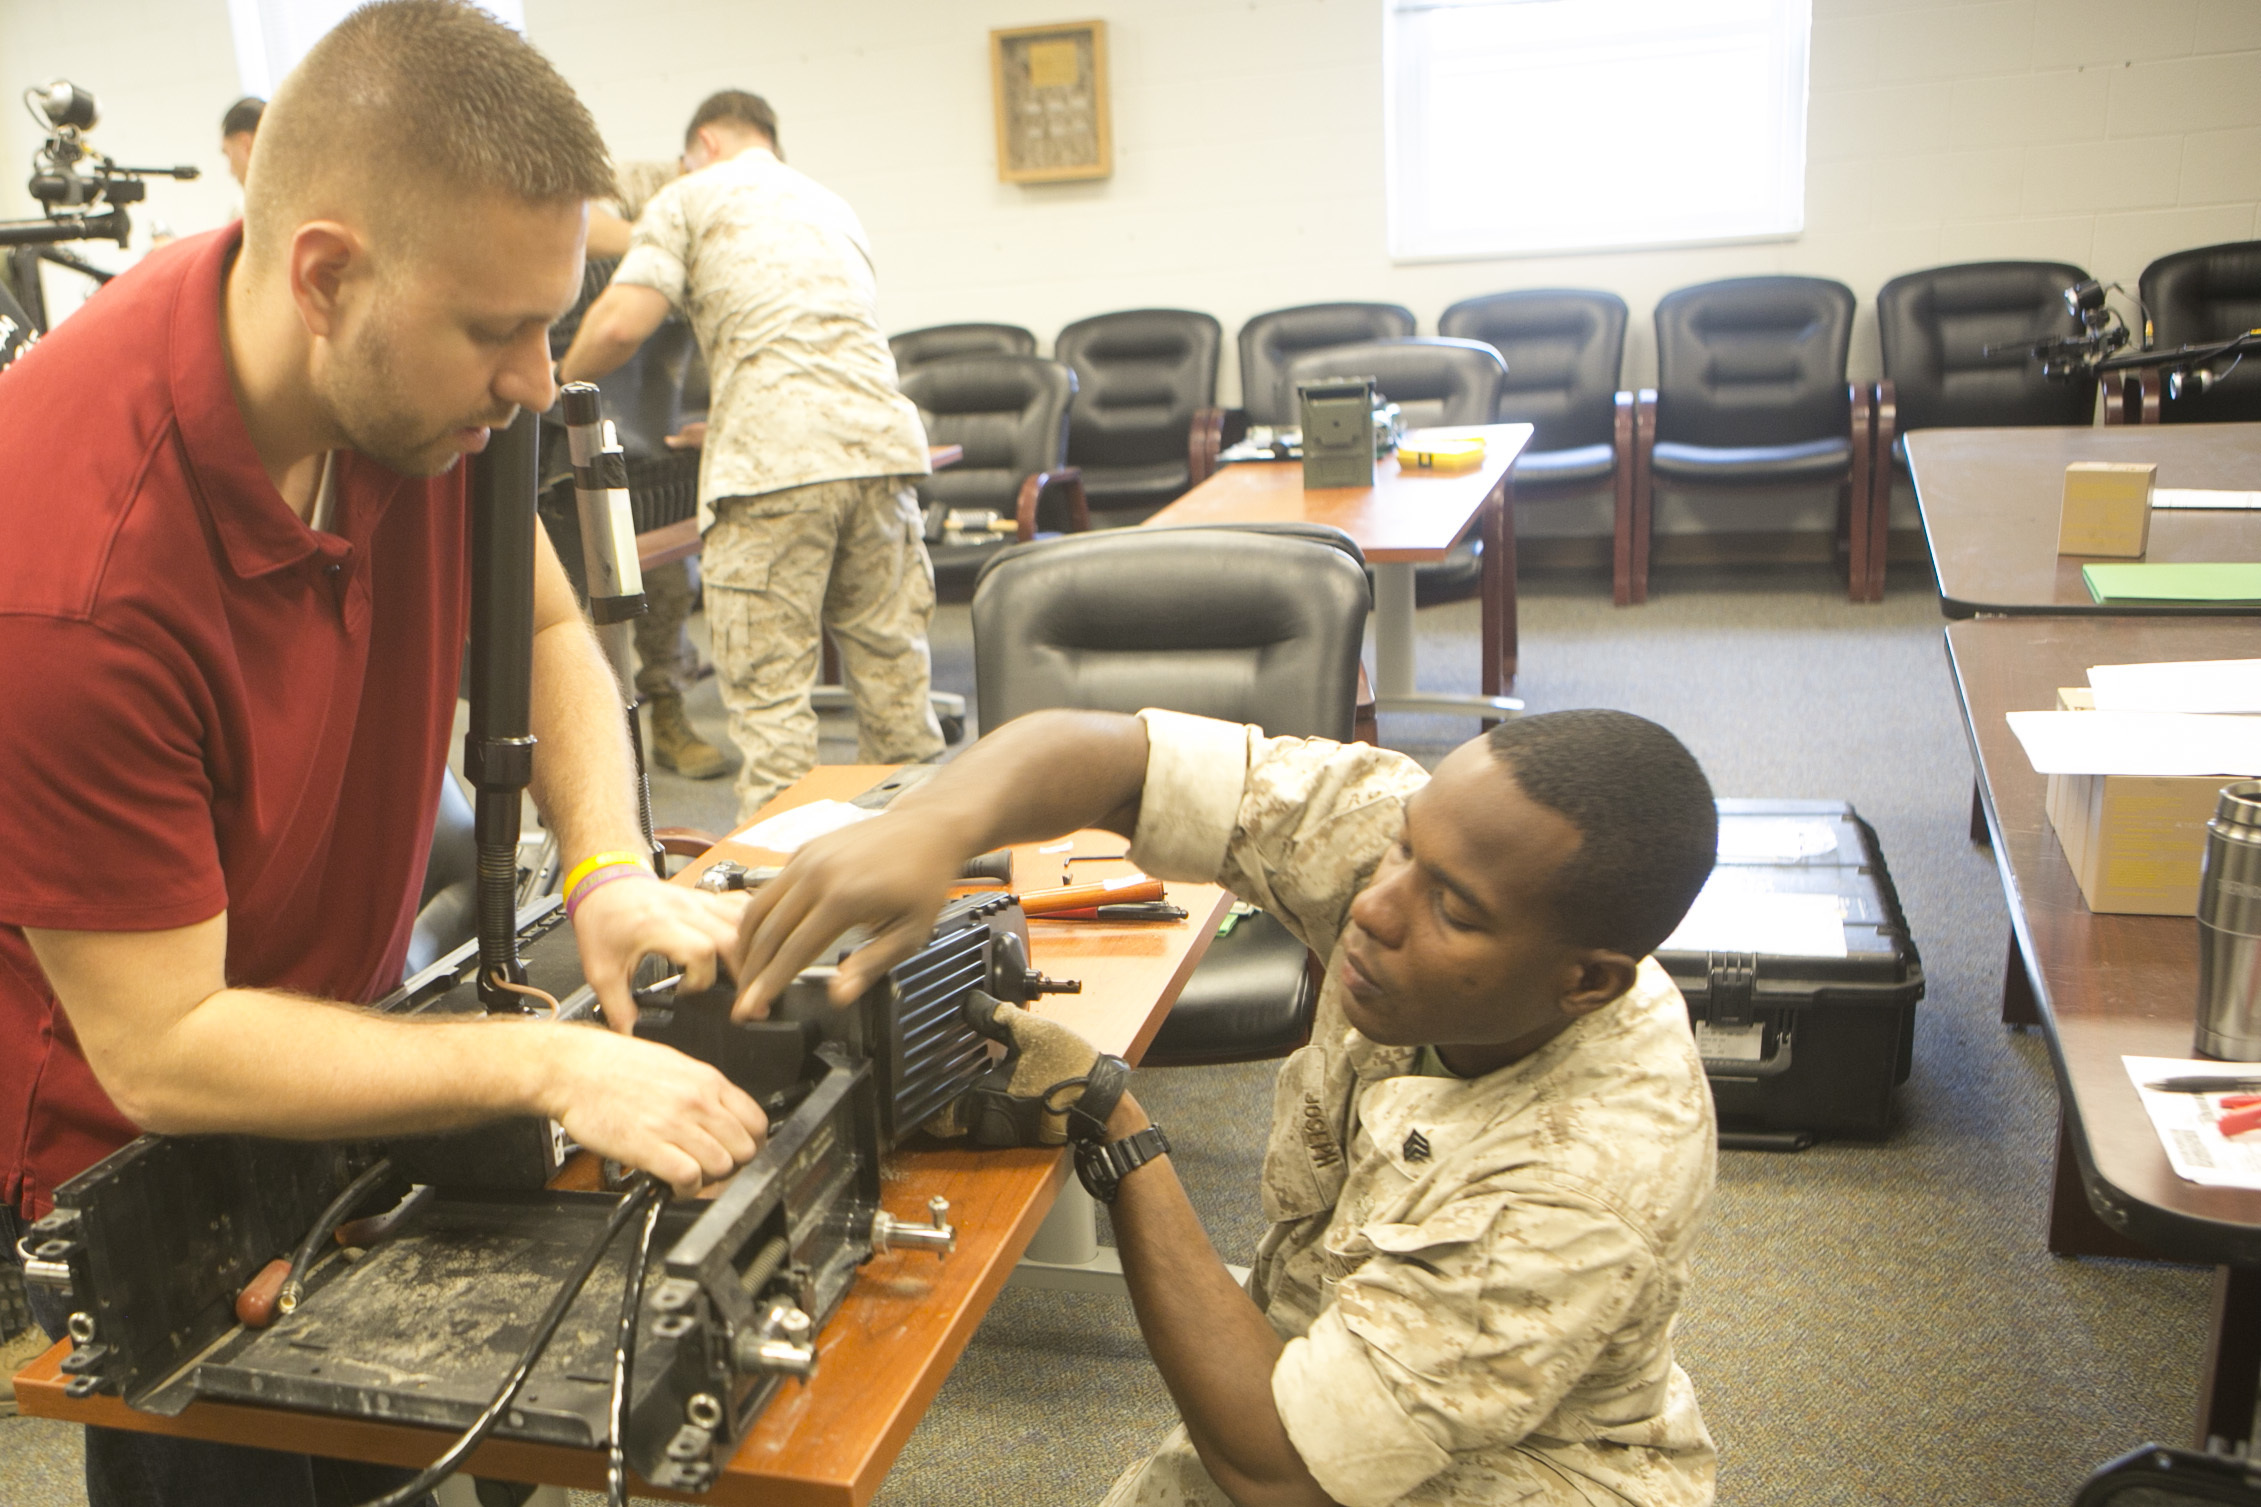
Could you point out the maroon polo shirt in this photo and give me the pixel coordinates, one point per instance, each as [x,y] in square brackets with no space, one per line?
[205,705]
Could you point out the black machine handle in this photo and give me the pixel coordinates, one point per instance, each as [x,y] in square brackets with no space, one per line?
[498,750]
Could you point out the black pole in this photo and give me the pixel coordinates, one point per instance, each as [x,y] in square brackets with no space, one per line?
[498,750]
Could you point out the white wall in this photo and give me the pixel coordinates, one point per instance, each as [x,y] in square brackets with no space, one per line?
[1249,159]
[1249,163]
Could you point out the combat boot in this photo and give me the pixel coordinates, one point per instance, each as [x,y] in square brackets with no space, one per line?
[676,746]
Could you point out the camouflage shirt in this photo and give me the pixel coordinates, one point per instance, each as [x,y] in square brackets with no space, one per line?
[773,271]
[1477,1278]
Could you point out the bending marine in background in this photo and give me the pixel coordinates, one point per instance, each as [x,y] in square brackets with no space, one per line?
[806,505]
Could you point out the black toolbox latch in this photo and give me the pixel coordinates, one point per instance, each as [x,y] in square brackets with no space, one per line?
[1734,985]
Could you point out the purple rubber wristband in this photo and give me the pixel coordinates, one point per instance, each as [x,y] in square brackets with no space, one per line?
[591,883]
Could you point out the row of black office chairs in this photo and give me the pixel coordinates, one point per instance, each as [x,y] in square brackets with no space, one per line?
[1751,390]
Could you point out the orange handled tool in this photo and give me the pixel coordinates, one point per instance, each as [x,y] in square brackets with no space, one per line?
[1117,891]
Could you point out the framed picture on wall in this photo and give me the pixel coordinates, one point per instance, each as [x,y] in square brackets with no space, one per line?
[1050,85]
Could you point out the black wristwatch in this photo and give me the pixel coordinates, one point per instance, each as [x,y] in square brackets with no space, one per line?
[1101,1168]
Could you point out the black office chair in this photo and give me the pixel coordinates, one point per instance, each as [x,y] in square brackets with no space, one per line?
[2193,297]
[1146,387]
[1751,392]
[940,342]
[1433,381]
[1270,341]
[1563,348]
[1266,630]
[1010,413]
[2156,1475]
[1934,327]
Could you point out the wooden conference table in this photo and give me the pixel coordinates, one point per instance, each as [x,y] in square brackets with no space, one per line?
[1990,500]
[1407,516]
[2108,986]
[883,1357]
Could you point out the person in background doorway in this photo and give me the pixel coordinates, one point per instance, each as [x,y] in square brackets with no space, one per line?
[666,664]
[237,128]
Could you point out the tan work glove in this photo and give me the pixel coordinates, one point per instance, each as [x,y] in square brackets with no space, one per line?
[1050,1087]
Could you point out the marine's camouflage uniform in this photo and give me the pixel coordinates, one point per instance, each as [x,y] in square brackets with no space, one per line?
[804,493]
[1477,1278]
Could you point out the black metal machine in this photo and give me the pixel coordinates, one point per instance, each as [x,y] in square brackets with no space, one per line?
[471,1295]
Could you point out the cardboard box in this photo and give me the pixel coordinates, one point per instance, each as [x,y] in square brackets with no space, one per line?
[2135,842]
[2107,509]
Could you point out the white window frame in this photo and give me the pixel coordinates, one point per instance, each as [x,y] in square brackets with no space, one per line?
[1766,42]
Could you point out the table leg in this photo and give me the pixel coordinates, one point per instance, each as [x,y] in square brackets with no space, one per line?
[1394,690]
[2020,1006]
[1499,588]
[2227,1395]
[2074,1229]
[1978,816]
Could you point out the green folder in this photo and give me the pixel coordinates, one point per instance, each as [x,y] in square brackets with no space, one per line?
[2211,582]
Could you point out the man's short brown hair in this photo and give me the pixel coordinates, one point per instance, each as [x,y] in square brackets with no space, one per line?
[421,97]
[735,107]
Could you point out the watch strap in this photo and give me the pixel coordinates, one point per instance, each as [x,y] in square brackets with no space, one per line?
[1101,1167]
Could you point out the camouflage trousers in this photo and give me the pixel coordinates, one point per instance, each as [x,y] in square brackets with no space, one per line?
[666,664]
[843,557]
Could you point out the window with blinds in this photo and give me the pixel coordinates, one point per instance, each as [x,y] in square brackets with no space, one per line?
[1523,126]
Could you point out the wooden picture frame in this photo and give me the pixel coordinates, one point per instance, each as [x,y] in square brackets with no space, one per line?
[1049,84]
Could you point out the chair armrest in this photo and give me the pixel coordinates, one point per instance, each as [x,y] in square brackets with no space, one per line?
[1621,427]
[1205,436]
[2112,392]
[1363,726]
[1644,419]
[683,842]
[2152,383]
[1033,490]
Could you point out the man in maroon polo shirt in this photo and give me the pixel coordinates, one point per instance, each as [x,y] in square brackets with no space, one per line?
[233,551]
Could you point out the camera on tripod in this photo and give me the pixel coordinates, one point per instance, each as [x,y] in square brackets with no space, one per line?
[82,193]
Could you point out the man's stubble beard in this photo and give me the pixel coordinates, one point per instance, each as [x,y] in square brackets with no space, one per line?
[365,397]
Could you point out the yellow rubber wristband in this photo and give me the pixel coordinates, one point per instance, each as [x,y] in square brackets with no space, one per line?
[590,865]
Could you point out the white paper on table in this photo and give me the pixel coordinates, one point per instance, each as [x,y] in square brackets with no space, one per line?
[2189,685]
[1774,839]
[2195,1146]
[2144,743]
[786,831]
[2193,497]
[1739,912]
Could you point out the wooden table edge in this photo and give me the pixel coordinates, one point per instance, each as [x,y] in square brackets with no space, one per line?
[2171,1235]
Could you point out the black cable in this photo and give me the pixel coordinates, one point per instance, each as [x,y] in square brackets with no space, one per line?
[623,1347]
[294,1286]
[631,1204]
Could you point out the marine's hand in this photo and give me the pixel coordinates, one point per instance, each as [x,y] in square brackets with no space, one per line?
[890,874]
[691,436]
[647,1105]
[621,924]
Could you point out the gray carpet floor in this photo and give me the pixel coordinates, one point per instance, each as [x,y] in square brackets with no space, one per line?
[1871,1323]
